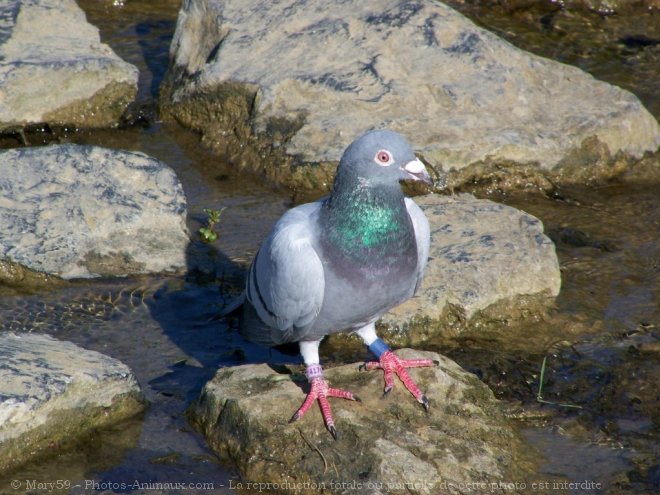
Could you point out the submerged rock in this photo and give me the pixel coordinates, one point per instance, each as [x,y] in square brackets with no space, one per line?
[386,445]
[52,392]
[84,211]
[277,85]
[55,70]
[483,254]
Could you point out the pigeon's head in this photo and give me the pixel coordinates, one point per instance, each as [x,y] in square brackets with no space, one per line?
[382,158]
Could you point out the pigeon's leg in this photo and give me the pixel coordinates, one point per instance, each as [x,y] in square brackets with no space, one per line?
[320,390]
[391,364]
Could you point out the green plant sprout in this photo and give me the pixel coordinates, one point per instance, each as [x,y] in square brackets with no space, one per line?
[539,395]
[207,233]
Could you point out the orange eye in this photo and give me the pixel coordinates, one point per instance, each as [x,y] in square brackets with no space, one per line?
[383,158]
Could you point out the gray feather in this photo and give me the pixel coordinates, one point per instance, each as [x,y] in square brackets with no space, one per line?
[285,284]
[422,237]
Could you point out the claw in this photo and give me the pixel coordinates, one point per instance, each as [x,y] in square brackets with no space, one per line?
[425,402]
[320,391]
[391,364]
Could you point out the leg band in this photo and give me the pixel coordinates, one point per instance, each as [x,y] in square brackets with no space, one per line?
[378,347]
[314,371]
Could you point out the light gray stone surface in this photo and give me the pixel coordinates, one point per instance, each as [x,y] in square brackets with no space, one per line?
[482,253]
[83,211]
[313,75]
[52,391]
[385,445]
[54,68]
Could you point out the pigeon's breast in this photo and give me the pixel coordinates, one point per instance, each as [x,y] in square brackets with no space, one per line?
[365,279]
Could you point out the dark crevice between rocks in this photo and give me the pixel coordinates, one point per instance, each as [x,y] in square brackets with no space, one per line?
[62,131]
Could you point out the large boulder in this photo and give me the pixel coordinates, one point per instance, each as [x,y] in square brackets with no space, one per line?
[276,85]
[486,258]
[84,211]
[53,392]
[55,70]
[386,445]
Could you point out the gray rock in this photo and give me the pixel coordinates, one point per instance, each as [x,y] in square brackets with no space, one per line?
[295,82]
[54,68]
[83,211]
[52,392]
[483,254]
[385,445]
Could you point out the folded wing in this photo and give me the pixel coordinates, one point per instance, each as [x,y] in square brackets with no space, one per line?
[422,237]
[285,285]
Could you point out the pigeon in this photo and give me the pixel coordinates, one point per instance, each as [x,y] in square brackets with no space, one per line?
[340,263]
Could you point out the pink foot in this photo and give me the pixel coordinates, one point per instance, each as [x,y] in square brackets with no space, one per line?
[391,364]
[321,391]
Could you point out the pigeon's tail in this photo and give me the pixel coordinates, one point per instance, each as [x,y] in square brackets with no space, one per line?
[233,306]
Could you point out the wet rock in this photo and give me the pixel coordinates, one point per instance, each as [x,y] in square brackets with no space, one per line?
[16,276]
[600,7]
[283,84]
[84,211]
[52,392]
[385,444]
[55,70]
[484,255]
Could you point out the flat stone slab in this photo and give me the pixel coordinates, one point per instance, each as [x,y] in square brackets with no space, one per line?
[52,392]
[385,445]
[482,254]
[294,82]
[55,70]
[84,211]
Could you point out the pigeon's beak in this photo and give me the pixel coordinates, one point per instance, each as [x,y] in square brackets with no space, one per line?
[417,171]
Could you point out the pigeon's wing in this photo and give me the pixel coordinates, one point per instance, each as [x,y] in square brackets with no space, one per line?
[285,284]
[422,237]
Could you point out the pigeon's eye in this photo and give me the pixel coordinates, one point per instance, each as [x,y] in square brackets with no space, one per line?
[383,158]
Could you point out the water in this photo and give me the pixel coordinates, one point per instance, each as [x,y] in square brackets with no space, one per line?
[600,341]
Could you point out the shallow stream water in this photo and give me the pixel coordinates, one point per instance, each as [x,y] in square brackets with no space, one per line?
[601,341]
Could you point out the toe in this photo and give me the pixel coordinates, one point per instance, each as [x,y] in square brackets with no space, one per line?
[370,365]
[425,402]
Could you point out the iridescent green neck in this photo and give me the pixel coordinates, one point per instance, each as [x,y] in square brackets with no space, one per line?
[365,218]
